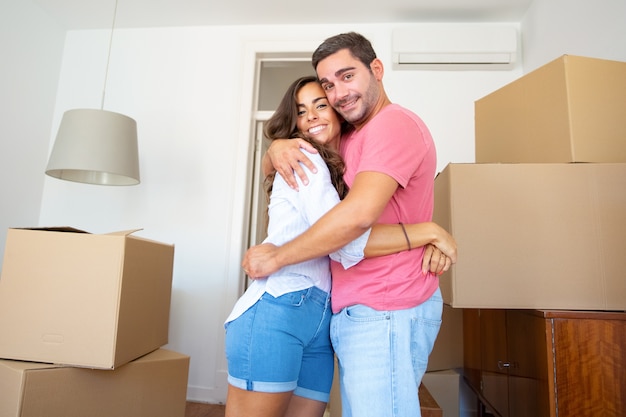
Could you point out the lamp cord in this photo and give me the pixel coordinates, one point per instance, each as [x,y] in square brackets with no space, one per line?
[106,72]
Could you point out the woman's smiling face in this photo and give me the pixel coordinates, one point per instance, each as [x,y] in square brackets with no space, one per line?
[317,120]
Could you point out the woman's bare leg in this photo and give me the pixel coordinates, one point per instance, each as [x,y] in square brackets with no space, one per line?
[304,407]
[242,403]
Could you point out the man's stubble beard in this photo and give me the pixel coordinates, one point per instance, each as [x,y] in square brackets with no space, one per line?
[367,101]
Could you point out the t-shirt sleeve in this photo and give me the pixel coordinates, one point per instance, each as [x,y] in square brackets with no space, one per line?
[397,153]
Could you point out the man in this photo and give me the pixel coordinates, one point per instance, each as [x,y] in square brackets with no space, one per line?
[387,312]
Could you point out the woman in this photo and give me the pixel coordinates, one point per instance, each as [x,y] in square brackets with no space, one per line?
[280,360]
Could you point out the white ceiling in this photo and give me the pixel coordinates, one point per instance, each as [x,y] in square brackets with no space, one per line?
[98,14]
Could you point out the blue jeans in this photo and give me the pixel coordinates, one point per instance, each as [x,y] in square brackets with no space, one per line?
[383,355]
[283,344]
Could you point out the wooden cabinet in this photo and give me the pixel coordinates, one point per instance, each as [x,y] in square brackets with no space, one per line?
[533,363]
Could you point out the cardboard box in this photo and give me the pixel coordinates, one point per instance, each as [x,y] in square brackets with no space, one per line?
[537,236]
[451,392]
[448,349]
[80,299]
[569,110]
[154,385]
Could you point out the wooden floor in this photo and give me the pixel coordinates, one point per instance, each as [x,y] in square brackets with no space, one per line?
[429,407]
[204,410]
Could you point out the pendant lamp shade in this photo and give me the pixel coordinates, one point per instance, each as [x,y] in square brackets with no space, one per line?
[95,147]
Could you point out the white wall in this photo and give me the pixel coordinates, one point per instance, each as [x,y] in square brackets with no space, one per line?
[552,28]
[189,90]
[31,45]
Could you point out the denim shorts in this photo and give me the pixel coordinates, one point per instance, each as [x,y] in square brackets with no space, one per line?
[283,344]
[383,355]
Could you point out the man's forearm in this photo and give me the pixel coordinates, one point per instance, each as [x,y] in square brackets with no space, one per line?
[334,230]
[345,222]
[386,239]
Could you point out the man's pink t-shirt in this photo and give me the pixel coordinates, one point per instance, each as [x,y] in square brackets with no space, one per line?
[396,142]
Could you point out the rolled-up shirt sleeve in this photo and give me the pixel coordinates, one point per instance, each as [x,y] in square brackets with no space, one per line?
[353,252]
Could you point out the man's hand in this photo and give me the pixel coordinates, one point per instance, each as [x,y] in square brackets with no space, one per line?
[285,156]
[446,243]
[435,261]
[441,253]
[260,261]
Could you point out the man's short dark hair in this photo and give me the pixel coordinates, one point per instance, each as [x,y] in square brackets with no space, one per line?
[357,44]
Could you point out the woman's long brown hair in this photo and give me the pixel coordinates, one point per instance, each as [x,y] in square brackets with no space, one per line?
[283,124]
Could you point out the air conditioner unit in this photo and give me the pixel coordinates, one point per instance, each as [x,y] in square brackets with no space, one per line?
[455,47]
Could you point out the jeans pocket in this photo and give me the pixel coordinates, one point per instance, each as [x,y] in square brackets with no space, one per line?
[291,299]
[361,313]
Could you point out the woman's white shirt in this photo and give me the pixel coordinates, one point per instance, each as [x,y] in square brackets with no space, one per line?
[290,214]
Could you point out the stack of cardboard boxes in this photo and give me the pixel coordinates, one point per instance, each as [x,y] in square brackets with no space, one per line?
[83,319]
[540,218]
